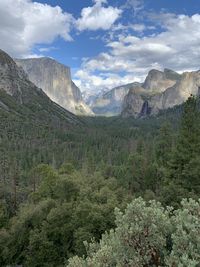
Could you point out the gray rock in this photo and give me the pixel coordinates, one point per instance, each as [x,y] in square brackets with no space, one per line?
[55,80]
[20,96]
[158,81]
[186,84]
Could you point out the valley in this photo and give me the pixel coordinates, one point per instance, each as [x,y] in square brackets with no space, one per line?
[63,175]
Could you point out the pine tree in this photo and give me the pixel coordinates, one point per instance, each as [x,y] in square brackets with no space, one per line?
[185,164]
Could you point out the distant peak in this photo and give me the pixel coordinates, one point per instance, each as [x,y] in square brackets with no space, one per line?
[166,70]
[154,71]
[5,58]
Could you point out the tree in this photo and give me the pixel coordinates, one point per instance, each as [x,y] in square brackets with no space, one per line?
[148,235]
[63,212]
[163,145]
[184,166]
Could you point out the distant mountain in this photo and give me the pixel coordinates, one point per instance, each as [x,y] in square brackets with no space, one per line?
[157,81]
[55,80]
[110,102]
[21,98]
[152,96]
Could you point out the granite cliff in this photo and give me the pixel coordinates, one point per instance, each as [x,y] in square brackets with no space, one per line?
[55,80]
[19,96]
[156,97]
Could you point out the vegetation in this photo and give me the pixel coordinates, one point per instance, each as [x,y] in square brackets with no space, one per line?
[147,234]
[60,184]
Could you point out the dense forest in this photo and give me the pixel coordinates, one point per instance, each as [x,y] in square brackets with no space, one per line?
[59,188]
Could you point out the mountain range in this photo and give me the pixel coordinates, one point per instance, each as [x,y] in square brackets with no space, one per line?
[44,84]
[160,91]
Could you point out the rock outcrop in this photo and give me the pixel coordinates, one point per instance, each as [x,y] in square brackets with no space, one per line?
[55,80]
[155,100]
[158,81]
[112,102]
[20,96]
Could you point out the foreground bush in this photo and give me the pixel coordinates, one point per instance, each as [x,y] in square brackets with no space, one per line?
[148,235]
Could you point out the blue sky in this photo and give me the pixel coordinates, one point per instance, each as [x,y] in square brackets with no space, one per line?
[106,43]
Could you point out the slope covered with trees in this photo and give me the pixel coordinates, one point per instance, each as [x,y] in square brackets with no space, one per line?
[61,183]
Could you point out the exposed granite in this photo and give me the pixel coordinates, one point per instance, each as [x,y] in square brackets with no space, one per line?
[55,80]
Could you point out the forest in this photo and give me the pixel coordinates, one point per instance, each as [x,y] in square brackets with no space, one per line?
[107,192]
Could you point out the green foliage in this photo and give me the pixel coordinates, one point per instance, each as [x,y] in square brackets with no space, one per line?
[63,212]
[185,159]
[147,234]
[66,168]
[59,184]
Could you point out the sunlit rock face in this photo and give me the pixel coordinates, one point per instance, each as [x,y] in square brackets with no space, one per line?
[22,98]
[171,89]
[114,101]
[55,80]
[157,81]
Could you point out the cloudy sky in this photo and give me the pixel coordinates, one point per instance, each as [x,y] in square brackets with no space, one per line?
[105,42]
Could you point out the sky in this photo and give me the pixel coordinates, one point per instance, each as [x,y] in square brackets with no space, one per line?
[106,43]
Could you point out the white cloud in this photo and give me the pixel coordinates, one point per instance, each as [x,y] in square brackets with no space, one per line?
[136,5]
[130,57]
[47,49]
[100,1]
[24,23]
[138,27]
[125,28]
[98,17]
[104,81]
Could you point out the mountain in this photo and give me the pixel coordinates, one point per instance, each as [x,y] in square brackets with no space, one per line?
[55,80]
[20,98]
[158,81]
[110,103]
[148,99]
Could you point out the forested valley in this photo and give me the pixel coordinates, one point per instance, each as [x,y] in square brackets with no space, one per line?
[60,186]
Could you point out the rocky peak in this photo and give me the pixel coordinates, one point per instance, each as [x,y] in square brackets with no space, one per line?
[158,81]
[135,104]
[171,75]
[55,80]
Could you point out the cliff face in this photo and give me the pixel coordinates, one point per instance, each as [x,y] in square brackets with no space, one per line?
[133,104]
[110,103]
[18,95]
[55,80]
[185,85]
[158,81]
[114,102]
[13,80]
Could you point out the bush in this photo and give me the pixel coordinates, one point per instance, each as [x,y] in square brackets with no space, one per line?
[148,235]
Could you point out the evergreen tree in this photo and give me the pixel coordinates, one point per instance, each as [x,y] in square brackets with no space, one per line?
[186,157]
